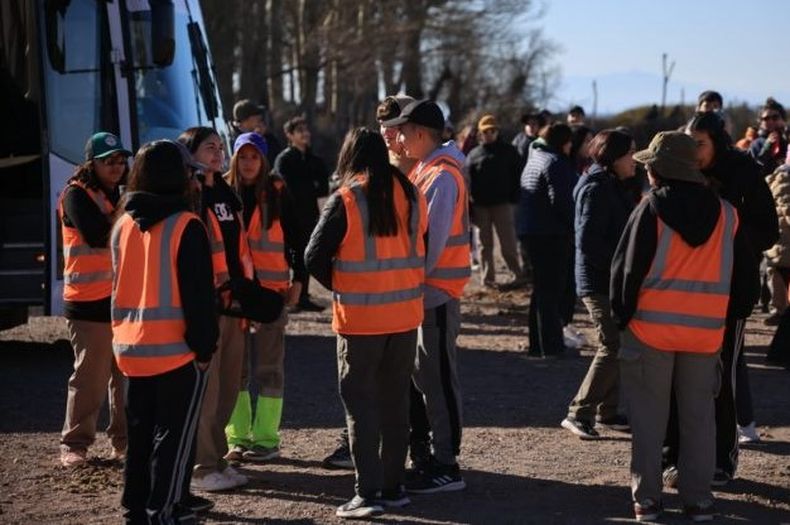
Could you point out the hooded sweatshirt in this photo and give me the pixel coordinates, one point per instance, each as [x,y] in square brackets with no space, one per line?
[193,264]
[691,210]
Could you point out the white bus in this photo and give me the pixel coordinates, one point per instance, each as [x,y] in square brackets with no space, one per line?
[70,68]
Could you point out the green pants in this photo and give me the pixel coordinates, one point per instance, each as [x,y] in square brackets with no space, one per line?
[260,426]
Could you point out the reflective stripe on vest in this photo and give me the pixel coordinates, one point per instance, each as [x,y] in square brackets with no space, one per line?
[676,312]
[219,259]
[378,281]
[268,251]
[148,330]
[452,270]
[87,271]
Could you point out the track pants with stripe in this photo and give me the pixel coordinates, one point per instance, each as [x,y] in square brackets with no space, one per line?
[436,379]
[162,412]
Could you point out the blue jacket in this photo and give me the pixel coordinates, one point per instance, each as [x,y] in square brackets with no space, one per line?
[546,202]
[603,206]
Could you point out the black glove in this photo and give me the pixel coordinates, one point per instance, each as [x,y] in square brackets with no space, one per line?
[257,303]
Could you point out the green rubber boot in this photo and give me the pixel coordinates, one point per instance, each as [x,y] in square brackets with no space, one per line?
[266,426]
[239,426]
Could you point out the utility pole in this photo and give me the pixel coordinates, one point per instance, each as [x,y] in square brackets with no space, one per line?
[595,102]
[667,73]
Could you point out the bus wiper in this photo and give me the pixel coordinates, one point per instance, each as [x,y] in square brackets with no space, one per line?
[205,80]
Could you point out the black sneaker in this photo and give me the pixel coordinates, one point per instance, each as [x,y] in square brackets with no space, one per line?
[647,510]
[359,508]
[393,498]
[618,423]
[720,478]
[703,511]
[583,429]
[438,477]
[197,504]
[340,458]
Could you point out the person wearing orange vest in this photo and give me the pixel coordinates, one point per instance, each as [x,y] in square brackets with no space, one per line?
[670,285]
[277,247]
[85,212]
[436,416]
[369,250]
[220,209]
[164,329]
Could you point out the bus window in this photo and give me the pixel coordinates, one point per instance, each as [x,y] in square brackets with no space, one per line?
[80,92]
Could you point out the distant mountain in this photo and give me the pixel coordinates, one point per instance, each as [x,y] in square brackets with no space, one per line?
[619,91]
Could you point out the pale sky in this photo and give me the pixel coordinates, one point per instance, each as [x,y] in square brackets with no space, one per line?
[716,44]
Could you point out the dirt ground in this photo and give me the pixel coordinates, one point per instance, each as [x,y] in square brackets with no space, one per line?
[520,466]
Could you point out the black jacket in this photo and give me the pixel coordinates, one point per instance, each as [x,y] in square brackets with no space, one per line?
[692,210]
[307,179]
[193,265]
[80,212]
[494,170]
[603,204]
[546,203]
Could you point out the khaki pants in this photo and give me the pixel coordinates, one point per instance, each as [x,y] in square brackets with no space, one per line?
[95,375]
[499,217]
[598,393]
[374,375]
[649,376]
[222,389]
[267,349]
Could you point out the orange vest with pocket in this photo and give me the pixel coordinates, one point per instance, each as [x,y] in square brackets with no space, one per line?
[268,250]
[452,269]
[87,271]
[682,304]
[377,281]
[148,324]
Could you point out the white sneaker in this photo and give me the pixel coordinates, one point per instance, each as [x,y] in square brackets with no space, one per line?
[572,338]
[213,482]
[748,434]
[239,478]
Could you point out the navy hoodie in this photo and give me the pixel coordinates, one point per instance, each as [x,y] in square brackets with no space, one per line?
[603,204]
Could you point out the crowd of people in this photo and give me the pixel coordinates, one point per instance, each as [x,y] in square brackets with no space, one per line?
[177,292]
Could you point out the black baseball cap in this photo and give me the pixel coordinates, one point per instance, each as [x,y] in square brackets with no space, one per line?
[421,112]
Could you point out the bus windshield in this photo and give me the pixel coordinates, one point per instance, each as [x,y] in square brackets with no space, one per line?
[168,100]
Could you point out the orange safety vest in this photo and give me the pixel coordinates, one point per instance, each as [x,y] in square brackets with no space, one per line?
[452,270]
[268,250]
[87,272]
[377,281]
[218,260]
[683,300]
[148,324]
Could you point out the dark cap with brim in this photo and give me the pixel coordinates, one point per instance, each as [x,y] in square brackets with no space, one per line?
[422,113]
[102,145]
[673,155]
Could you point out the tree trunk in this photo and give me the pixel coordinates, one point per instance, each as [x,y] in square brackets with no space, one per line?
[275,48]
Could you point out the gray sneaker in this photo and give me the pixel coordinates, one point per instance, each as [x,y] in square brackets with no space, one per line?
[261,453]
[359,508]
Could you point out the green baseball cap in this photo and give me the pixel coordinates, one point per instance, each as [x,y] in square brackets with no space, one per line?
[673,155]
[103,145]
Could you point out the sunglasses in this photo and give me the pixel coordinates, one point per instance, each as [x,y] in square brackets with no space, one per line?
[774,116]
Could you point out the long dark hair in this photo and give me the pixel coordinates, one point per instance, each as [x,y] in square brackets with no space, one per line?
[192,138]
[159,168]
[556,135]
[365,153]
[712,124]
[266,192]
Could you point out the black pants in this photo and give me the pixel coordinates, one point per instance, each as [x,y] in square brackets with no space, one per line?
[733,404]
[162,413]
[779,350]
[551,257]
